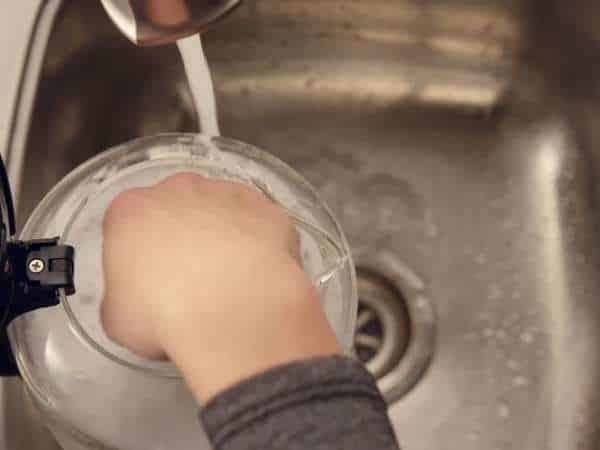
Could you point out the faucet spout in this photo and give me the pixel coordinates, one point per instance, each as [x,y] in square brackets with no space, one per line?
[155,22]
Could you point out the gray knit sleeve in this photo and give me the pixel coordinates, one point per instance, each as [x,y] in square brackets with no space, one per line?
[321,404]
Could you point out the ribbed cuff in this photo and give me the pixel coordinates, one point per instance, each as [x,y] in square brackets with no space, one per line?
[285,387]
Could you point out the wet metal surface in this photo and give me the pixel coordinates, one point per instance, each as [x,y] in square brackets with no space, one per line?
[445,135]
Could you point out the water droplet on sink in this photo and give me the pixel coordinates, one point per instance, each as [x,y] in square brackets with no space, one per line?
[511,320]
[526,337]
[501,335]
[473,436]
[520,380]
[80,376]
[421,303]
[495,292]
[503,410]
[431,230]
[351,211]
[470,336]
[513,365]
[480,259]
[508,224]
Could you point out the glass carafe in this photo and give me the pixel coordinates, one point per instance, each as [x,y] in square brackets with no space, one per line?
[93,393]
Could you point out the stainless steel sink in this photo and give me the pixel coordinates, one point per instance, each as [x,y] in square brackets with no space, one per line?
[454,139]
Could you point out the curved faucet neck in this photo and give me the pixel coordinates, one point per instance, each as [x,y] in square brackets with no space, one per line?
[155,22]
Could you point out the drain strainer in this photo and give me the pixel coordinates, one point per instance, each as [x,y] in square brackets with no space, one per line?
[395,332]
[369,333]
[382,326]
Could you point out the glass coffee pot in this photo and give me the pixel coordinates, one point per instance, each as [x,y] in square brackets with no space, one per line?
[91,392]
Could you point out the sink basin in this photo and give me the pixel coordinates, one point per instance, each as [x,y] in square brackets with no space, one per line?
[454,141]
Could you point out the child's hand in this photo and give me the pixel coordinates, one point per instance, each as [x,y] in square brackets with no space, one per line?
[207,273]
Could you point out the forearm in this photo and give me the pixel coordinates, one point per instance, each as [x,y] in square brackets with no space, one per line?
[321,404]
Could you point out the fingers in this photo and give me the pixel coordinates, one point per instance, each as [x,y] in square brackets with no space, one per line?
[182,181]
[189,194]
[190,182]
[135,335]
[125,204]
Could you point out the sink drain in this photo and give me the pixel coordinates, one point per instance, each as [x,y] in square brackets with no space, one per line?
[382,326]
[395,328]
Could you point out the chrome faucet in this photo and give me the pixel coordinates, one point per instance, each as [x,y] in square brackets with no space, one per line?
[25,27]
[155,22]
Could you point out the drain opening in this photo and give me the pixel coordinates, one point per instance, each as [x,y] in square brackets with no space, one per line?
[383,325]
[368,339]
[396,331]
